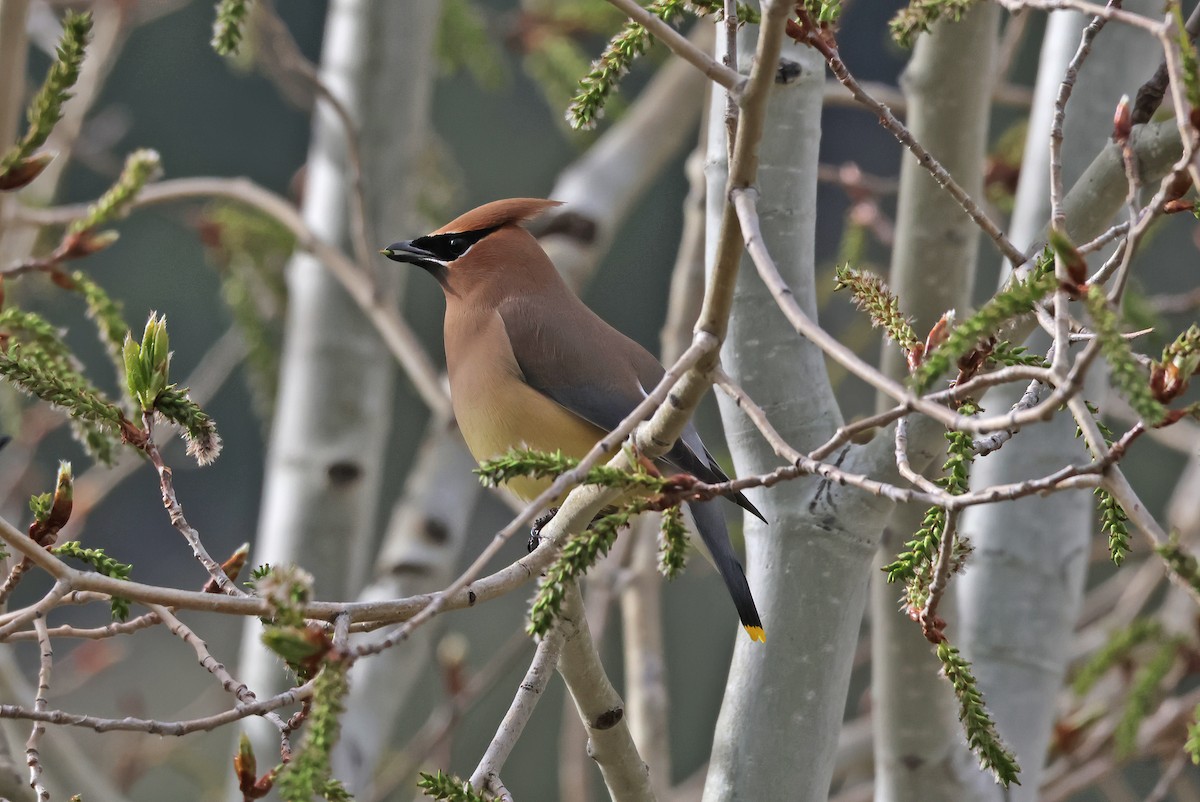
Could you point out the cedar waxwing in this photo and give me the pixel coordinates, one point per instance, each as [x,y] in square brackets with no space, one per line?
[531,366]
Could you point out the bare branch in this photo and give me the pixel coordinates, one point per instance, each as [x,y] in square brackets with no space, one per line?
[529,692]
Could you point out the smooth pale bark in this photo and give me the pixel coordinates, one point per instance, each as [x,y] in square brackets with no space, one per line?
[918,738]
[334,408]
[600,707]
[1022,593]
[776,736]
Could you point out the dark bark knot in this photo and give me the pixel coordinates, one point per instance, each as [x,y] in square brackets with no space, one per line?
[436,531]
[608,719]
[788,72]
[343,473]
[408,568]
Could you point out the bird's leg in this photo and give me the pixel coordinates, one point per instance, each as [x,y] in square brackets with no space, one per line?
[535,531]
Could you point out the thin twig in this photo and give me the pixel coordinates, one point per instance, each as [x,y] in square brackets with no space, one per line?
[1067,477]
[930,626]
[600,707]
[1118,230]
[924,157]
[1091,9]
[1058,217]
[213,666]
[731,61]
[902,463]
[1028,400]
[1010,44]
[745,202]
[1150,94]
[95,633]
[156,727]
[35,611]
[529,693]
[175,511]
[32,756]
[1166,780]
[444,718]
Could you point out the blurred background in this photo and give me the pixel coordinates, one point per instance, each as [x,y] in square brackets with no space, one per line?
[494,135]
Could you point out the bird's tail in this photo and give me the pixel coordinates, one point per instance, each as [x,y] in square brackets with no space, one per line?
[710,523]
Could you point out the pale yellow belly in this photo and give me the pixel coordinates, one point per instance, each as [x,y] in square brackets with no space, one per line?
[521,417]
[497,411]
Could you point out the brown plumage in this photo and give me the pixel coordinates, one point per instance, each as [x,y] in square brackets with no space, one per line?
[531,366]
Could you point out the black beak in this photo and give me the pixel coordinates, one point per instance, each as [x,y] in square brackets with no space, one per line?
[407,252]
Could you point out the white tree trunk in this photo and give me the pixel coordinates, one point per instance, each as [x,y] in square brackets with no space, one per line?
[918,739]
[333,413]
[1021,595]
[776,734]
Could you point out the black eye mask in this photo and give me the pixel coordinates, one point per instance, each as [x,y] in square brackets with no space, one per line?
[448,247]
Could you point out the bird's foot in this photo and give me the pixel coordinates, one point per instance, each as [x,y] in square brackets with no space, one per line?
[535,531]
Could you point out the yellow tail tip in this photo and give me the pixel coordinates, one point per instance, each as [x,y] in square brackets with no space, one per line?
[757,633]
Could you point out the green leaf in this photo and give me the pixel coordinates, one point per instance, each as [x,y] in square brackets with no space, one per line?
[1192,746]
[1017,299]
[982,737]
[147,364]
[106,314]
[464,44]
[447,787]
[595,88]
[309,773]
[920,14]
[199,430]
[578,555]
[103,564]
[1143,696]
[1180,561]
[227,27]
[141,167]
[872,296]
[673,543]
[65,389]
[1128,377]
[46,109]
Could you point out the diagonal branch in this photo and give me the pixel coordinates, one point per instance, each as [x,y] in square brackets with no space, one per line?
[529,692]
[680,46]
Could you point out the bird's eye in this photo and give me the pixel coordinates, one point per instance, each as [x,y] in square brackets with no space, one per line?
[457,246]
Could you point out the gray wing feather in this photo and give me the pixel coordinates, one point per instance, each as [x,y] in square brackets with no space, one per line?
[591,369]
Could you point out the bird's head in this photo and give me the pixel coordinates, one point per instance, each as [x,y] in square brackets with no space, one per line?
[482,247]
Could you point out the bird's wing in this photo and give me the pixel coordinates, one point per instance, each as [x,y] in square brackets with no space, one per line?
[580,362]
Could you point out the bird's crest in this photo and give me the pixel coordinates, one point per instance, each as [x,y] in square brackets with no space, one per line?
[498,213]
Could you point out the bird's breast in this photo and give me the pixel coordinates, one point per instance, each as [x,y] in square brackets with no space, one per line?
[497,410]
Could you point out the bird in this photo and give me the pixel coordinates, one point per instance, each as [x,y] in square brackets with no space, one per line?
[531,366]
